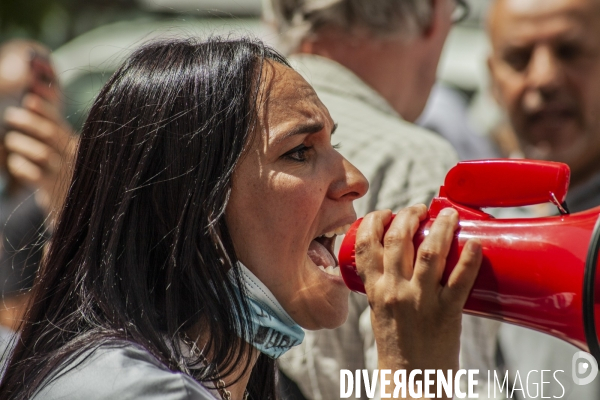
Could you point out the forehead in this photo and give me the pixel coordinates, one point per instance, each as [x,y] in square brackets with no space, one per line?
[288,100]
[523,22]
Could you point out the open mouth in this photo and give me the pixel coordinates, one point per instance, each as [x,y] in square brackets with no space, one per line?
[321,251]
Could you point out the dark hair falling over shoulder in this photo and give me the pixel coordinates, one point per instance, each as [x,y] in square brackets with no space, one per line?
[141,251]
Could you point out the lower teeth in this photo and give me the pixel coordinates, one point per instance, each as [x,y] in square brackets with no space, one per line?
[330,270]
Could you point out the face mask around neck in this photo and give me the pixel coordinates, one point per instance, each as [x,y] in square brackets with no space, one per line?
[272,331]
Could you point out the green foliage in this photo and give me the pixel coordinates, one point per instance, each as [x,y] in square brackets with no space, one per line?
[55,21]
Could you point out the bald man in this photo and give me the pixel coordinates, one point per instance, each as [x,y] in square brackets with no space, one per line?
[545,69]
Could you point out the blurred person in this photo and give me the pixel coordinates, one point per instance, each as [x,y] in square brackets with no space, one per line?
[23,237]
[34,143]
[373,64]
[22,241]
[205,193]
[37,141]
[545,69]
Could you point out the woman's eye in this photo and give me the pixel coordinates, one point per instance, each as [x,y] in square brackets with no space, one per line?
[298,153]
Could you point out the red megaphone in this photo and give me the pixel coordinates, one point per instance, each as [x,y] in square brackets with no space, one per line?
[539,273]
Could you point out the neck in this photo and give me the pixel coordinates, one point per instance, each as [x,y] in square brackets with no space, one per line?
[389,65]
[237,381]
[238,389]
[579,178]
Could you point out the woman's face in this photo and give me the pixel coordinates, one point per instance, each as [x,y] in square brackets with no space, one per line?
[289,191]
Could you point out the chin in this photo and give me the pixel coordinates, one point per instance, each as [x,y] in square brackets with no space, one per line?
[336,323]
[328,316]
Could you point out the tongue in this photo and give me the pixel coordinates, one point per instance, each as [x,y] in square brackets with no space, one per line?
[320,255]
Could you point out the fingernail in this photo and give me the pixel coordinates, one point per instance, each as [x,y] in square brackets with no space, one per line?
[446,212]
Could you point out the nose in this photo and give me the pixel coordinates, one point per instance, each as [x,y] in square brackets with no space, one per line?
[352,184]
[545,70]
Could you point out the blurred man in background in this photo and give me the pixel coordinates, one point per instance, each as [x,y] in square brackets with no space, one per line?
[545,68]
[35,146]
[373,64]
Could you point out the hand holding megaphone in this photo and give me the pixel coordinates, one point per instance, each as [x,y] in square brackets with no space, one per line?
[539,273]
[416,321]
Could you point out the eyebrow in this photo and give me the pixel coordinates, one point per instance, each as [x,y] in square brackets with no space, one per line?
[302,129]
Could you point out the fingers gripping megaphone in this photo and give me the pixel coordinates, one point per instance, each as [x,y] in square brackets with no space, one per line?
[538,273]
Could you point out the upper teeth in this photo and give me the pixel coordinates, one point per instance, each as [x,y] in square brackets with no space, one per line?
[335,271]
[339,231]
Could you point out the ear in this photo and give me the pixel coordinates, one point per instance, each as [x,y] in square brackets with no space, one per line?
[441,15]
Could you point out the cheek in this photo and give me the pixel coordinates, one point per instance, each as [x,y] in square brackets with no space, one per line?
[272,221]
[588,89]
[508,84]
[291,203]
[511,91]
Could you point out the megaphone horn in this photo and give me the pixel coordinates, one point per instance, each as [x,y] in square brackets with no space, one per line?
[538,273]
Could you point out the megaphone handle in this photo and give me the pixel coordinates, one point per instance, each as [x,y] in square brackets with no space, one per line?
[506,183]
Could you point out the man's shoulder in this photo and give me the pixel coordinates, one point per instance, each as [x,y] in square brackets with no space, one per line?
[120,370]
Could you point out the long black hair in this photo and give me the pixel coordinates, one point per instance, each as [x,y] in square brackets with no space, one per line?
[141,251]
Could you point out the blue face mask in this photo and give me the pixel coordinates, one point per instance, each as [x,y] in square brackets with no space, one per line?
[272,331]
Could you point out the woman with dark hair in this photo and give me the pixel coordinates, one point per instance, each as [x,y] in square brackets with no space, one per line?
[197,238]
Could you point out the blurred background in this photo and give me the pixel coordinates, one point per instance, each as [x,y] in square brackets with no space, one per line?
[89,39]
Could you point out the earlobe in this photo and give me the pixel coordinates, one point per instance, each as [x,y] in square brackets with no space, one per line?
[439,15]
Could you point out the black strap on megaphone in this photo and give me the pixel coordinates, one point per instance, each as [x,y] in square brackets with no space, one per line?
[589,288]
